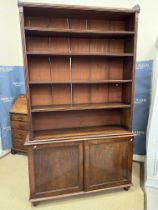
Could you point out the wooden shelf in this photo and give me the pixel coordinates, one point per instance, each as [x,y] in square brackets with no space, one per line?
[69,134]
[76,33]
[80,82]
[40,53]
[51,108]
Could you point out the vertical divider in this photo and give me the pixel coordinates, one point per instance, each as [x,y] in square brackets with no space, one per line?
[68,23]
[50,67]
[48,25]
[108,47]
[29,22]
[90,72]
[90,64]
[86,24]
[109,61]
[109,25]
[90,85]
[108,84]
[71,85]
[49,43]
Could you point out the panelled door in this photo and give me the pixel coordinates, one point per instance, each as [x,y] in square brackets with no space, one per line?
[56,169]
[108,162]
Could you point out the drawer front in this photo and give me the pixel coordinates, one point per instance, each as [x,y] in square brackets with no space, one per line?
[55,169]
[18,144]
[18,139]
[19,125]
[19,117]
[19,134]
[108,162]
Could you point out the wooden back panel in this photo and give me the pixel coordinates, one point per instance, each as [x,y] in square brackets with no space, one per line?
[60,69]
[80,69]
[80,23]
[86,69]
[39,69]
[58,94]
[50,95]
[75,119]
[77,45]
[41,95]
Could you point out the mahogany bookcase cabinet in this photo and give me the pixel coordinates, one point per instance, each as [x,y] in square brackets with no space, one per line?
[79,70]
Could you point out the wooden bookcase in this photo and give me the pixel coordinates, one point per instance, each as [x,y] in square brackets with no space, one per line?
[79,68]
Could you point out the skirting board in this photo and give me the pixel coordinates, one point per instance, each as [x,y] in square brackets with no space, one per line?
[139,158]
[3,152]
[151,182]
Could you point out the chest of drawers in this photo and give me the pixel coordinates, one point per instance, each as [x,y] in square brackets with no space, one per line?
[19,124]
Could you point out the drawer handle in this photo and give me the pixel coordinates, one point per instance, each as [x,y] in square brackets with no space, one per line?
[34,147]
[20,118]
[131,140]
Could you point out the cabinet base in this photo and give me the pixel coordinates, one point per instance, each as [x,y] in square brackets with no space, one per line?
[126,188]
[15,151]
[36,201]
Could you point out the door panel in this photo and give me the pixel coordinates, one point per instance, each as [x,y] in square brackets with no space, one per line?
[58,169]
[108,162]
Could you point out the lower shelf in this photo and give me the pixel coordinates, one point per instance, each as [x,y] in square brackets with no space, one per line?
[81,132]
[49,108]
[15,150]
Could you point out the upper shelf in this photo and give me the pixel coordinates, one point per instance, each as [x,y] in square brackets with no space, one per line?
[80,82]
[76,33]
[44,53]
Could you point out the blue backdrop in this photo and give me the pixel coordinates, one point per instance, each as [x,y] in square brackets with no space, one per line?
[12,84]
[141,104]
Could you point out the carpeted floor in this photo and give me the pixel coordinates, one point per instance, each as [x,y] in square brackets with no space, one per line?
[14,191]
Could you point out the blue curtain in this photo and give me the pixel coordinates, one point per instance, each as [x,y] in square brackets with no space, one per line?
[141,104]
[12,84]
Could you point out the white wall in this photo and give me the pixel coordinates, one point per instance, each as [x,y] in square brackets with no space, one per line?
[10,39]
[10,44]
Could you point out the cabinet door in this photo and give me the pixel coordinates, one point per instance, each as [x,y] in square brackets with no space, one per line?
[55,169]
[108,162]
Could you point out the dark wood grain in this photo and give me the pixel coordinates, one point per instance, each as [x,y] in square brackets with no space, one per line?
[19,124]
[78,81]
[106,163]
[87,106]
[46,53]
[76,119]
[23,39]
[63,172]
[69,135]
[75,54]
[19,117]
[42,31]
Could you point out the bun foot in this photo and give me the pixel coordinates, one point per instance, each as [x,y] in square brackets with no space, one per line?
[35,203]
[13,152]
[126,188]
